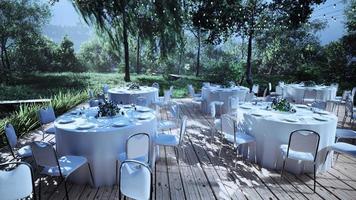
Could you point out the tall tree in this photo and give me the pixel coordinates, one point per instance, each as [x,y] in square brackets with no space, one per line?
[19,19]
[224,18]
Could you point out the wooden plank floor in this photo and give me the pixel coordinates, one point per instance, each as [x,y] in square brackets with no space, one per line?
[202,174]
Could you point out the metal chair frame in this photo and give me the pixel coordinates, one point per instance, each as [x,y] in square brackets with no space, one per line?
[39,116]
[64,178]
[32,174]
[141,164]
[315,155]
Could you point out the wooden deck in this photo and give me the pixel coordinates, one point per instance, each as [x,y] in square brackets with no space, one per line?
[201,174]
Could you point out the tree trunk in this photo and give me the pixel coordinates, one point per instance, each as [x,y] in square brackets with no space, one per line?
[249,57]
[198,55]
[138,68]
[126,46]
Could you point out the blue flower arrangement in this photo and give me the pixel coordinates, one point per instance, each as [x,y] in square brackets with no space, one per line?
[282,105]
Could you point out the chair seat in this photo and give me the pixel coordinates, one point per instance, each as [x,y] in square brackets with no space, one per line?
[123,156]
[241,138]
[135,182]
[50,129]
[345,133]
[68,164]
[296,155]
[24,151]
[166,124]
[343,147]
[166,140]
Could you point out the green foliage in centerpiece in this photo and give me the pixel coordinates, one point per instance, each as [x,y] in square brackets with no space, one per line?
[282,105]
[309,83]
[107,109]
[134,86]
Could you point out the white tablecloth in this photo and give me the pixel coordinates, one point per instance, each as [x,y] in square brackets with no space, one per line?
[118,95]
[295,92]
[215,93]
[101,144]
[272,130]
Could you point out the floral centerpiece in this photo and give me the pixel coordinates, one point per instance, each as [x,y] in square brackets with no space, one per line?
[133,86]
[309,83]
[282,105]
[107,109]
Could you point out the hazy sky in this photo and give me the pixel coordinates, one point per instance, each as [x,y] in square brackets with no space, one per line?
[64,14]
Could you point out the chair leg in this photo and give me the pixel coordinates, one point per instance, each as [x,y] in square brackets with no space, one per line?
[284,164]
[177,152]
[116,169]
[65,187]
[337,157]
[39,188]
[314,177]
[91,175]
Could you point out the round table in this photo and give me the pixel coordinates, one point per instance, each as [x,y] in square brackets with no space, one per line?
[103,142]
[272,129]
[216,93]
[295,92]
[126,96]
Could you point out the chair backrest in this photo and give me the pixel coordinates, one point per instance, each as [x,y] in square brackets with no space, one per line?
[167,96]
[255,88]
[137,146]
[46,115]
[175,110]
[10,135]
[191,91]
[232,84]
[269,86]
[348,106]
[16,182]
[265,92]
[135,179]
[44,154]
[105,89]
[212,110]
[345,93]
[233,102]
[182,130]
[279,90]
[155,85]
[310,94]
[171,90]
[304,140]
[319,104]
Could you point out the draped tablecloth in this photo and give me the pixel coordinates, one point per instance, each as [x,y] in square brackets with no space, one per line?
[272,129]
[215,93]
[103,142]
[126,96]
[295,92]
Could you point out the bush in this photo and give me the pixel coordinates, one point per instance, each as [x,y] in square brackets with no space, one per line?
[25,119]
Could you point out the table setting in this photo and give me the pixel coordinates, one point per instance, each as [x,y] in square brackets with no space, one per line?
[129,94]
[221,93]
[99,134]
[271,125]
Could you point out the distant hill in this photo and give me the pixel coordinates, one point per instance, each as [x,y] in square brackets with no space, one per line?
[77,34]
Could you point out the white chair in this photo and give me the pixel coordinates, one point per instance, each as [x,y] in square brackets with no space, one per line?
[155,85]
[238,135]
[16,182]
[255,88]
[349,111]
[137,148]
[303,146]
[165,100]
[344,134]
[233,104]
[196,98]
[345,148]
[11,137]
[171,90]
[162,139]
[250,96]
[174,110]
[339,100]
[46,117]
[135,180]
[216,121]
[309,96]
[49,164]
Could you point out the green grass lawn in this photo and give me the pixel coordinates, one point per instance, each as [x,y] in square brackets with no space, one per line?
[46,85]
